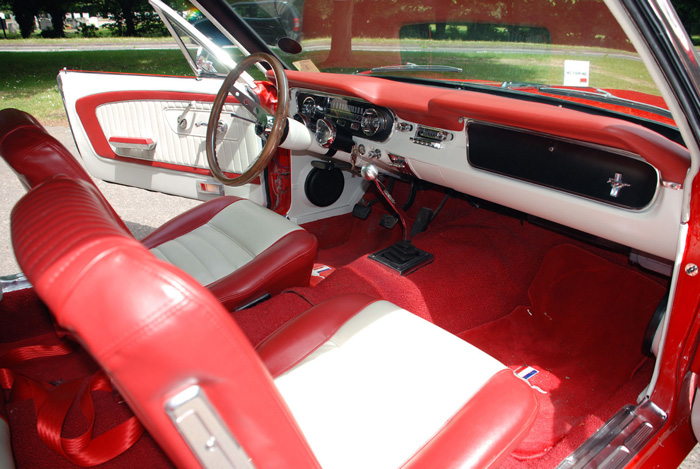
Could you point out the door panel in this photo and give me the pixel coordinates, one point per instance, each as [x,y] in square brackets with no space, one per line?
[176,145]
[149,131]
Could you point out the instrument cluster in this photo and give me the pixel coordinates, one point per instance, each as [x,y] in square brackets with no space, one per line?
[336,120]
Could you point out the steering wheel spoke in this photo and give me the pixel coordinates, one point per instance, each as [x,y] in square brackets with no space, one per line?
[271,130]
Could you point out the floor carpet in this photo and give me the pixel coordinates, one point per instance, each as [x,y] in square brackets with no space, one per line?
[582,332]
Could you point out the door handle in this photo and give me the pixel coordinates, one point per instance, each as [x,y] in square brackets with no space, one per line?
[181,121]
[133,143]
[222,127]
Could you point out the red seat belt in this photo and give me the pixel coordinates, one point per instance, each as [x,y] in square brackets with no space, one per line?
[52,406]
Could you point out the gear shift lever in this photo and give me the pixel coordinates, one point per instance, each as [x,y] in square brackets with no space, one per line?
[403,256]
[370,173]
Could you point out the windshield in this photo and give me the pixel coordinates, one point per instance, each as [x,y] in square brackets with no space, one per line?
[570,50]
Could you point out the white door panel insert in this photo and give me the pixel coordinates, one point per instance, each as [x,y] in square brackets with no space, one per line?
[181,145]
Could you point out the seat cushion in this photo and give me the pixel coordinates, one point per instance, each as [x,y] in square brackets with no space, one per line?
[239,250]
[372,385]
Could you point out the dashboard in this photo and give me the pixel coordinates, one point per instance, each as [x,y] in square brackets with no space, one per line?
[597,174]
[342,123]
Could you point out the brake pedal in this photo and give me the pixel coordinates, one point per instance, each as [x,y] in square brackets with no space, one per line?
[361,211]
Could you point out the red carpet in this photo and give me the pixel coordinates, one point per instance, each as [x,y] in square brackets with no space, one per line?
[582,332]
[22,315]
[484,263]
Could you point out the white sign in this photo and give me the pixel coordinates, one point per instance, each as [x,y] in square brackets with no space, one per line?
[576,73]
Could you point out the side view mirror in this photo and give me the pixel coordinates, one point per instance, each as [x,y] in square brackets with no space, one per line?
[203,62]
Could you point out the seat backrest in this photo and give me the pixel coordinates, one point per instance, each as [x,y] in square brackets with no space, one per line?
[32,153]
[36,156]
[155,330]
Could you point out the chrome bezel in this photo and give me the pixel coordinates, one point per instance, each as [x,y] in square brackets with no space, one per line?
[319,94]
[369,132]
[332,132]
[308,106]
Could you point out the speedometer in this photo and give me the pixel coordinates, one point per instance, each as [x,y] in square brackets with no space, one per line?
[372,122]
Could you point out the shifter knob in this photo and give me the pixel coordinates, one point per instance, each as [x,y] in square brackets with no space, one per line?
[369,172]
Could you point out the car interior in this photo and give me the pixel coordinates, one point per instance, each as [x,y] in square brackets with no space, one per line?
[529,293]
[491,298]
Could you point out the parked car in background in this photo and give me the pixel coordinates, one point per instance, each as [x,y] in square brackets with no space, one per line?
[433,234]
[272,20]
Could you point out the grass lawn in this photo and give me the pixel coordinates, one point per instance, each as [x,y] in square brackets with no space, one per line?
[499,62]
[28,79]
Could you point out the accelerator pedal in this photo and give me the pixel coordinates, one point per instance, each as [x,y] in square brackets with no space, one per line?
[423,219]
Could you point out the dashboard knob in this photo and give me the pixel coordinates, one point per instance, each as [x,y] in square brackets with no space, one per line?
[369,172]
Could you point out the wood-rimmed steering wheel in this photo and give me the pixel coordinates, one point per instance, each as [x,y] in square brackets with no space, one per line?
[276,131]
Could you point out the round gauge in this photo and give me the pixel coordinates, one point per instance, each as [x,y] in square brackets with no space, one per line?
[308,106]
[372,122]
[304,120]
[325,133]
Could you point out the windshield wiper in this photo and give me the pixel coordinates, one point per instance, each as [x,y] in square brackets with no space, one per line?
[519,85]
[411,67]
[593,94]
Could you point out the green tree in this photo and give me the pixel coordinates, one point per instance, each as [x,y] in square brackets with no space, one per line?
[25,11]
[123,13]
[57,9]
[129,15]
[689,13]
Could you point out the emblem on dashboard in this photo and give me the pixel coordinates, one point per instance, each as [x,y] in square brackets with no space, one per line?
[616,184]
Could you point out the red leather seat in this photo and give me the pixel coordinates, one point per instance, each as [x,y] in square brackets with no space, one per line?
[239,250]
[352,382]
